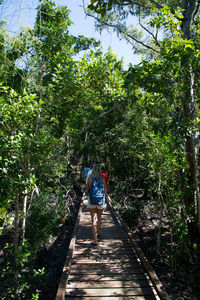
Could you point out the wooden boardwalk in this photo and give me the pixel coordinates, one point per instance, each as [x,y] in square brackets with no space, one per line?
[109,271]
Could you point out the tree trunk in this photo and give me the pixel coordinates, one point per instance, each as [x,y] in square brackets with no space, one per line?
[16,242]
[158,241]
[192,150]
[189,9]
[68,144]
[16,232]
[24,205]
[189,108]
[24,208]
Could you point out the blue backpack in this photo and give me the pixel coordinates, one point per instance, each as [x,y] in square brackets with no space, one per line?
[97,192]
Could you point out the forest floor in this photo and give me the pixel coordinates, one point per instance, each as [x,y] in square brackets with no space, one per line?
[180,284]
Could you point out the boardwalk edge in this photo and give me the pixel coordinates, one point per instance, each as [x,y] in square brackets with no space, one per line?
[68,260]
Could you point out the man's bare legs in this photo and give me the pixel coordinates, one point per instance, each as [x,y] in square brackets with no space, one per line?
[96,222]
[99,213]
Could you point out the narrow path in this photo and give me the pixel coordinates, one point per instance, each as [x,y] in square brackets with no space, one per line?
[111,270]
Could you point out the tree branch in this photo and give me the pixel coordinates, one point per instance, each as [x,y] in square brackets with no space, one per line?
[197,9]
[157,4]
[131,2]
[149,32]
[125,34]
[94,121]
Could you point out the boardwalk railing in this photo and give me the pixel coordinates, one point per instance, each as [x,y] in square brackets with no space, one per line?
[115,269]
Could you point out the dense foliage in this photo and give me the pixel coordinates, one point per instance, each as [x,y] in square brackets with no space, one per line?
[142,124]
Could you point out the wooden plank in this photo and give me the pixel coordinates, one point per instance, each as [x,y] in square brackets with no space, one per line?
[107,284]
[109,225]
[101,267]
[86,245]
[109,277]
[103,251]
[106,236]
[109,242]
[110,298]
[100,262]
[109,254]
[108,271]
[110,292]
[105,260]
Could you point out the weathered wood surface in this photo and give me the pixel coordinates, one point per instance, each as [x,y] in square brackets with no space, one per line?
[109,271]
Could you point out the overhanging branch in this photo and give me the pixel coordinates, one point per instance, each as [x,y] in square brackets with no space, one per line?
[126,35]
[143,5]
[197,9]
[149,32]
